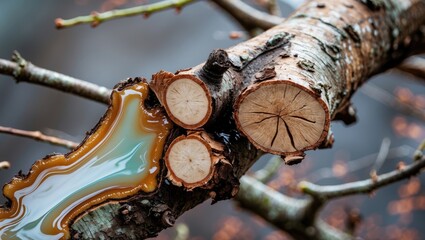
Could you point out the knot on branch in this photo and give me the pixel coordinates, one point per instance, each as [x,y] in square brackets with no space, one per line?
[347,115]
[164,212]
[22,63]
[131,214]
[216,65]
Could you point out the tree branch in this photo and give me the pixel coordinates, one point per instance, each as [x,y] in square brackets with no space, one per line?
[414,66]
[37,135]
[268,171]
[143,215]
[24,71]
[286,213]
[325,193]
[247,16]
[96,18]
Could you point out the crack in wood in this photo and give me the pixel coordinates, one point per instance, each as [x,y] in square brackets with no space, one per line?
[289,134]
[277,131]
[302,118]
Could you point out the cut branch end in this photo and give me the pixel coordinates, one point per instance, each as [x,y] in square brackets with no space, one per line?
[190,161]
[282,117]
[188,101]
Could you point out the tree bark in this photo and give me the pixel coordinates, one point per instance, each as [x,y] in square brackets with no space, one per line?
[325,52]
[288,83]
[144,215]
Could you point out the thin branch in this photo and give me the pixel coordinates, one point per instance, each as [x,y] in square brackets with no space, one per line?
[419,151]
[382,156]
[360,163]
[267,172]
[325,193]
[24,71]
[387,98]
[414,66]
[247,16]
[96,18]
[286,213]
[37,135]
[4,165]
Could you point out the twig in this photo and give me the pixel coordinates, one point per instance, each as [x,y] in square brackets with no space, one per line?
[366,186]
[247,16]
[24,71]
[414,66]
[360,163]
[387,98]
[4,165]
[418,154]
[96,18]
[382,156]
[37,135]
[267,172]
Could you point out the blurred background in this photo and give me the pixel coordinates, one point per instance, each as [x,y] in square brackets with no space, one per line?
[139,46]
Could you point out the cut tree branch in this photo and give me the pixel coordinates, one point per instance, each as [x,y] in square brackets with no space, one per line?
[37,135]
[96,18]
[24,71]
[288,83]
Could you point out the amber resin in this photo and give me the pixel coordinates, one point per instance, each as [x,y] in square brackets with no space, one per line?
[120,158]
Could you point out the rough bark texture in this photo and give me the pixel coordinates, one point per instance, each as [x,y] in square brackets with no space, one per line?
[333,48]
[328,51]
[145,215]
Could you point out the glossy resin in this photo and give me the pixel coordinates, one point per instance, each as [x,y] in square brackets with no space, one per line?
[120,158]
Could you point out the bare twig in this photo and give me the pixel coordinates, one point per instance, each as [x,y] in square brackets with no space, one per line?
[382,155]
[37,135]
[96,18]
[387,98]
[357,164]
[4,165]
[247,16]
[414,66]
[24,71]
[325,193]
